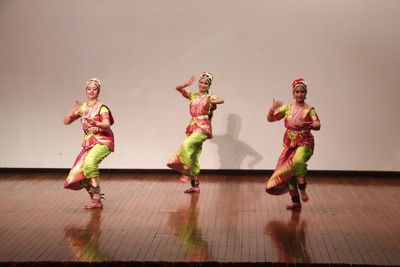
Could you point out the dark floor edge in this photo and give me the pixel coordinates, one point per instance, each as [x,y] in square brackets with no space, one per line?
[163,264]
[235,172]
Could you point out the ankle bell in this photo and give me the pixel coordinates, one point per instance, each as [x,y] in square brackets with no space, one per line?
[195,183]
[302,186]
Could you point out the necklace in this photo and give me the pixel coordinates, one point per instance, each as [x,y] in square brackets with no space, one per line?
[91,105]
[296,113]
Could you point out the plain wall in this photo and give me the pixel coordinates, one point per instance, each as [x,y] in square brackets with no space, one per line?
[347,50]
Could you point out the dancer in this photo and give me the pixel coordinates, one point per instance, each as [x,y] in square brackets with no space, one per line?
[98,143]
[298,145]
[202,105]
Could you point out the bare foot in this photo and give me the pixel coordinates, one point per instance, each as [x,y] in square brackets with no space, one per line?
[294,206]
[94,205]
[304,196]
[194,189]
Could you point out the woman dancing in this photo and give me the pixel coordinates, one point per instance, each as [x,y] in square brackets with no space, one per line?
[98,143]
[202,105]
[298,145]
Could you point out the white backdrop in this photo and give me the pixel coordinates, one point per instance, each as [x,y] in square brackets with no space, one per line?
[347,50]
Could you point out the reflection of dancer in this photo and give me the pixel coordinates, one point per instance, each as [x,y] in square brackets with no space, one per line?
[98,143]
[298,145]
[84,241]
[202,105]
[185,222]
[289,239]
[232,151]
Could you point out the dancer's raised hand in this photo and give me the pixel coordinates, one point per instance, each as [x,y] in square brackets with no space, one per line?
[186,84]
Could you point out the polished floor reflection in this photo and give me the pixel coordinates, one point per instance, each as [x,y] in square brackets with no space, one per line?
[185,223]
[352,220]
[289,238]
[83,239]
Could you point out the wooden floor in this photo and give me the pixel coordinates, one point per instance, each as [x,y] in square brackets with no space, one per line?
[149,218]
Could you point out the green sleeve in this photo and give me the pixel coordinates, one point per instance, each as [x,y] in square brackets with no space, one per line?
[285,110]
[192,95]
[104,109]
[82,108]
[313,112]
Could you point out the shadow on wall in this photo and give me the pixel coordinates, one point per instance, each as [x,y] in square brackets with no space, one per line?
[232,151]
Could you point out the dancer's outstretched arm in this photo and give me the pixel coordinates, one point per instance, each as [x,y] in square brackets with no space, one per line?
[182,86]
[216,100]
[274,114]
[73,114]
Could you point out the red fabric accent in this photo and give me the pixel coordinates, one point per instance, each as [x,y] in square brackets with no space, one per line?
[297,81]
[176,164]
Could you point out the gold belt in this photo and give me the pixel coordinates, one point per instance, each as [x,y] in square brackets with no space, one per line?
[200,117]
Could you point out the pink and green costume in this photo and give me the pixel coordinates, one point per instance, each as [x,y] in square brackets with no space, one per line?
[298,147]
[97,144]
[198,130]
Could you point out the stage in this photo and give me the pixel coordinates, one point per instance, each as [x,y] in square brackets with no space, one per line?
[147,219]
